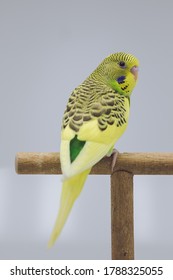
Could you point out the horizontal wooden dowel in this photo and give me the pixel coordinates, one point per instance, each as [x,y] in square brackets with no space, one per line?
[135,163]
[38,163]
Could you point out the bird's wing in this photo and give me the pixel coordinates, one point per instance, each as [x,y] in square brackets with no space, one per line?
[94,139]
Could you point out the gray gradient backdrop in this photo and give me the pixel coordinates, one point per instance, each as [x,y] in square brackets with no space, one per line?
[46,49]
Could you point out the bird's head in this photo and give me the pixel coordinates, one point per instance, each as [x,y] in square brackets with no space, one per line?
[119,71]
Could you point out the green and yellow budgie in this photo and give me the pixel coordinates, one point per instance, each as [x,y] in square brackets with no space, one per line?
[96,115]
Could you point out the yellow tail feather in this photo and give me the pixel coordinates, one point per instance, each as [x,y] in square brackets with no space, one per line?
[70,191]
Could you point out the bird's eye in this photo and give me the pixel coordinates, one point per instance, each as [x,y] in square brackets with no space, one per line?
[122,64]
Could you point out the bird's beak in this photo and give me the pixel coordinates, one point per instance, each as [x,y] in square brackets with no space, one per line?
[134,71]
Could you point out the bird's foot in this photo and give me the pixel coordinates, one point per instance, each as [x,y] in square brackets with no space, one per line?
[114,155]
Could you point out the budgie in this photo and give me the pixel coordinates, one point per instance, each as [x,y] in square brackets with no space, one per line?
[96,115]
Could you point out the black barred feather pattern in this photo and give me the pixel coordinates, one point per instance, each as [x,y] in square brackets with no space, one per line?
[98,97]
[93,100]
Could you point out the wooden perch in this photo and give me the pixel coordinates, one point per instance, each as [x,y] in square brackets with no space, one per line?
[135,163]
[127,165]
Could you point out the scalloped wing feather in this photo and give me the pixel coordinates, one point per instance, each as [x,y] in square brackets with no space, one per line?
[98,144]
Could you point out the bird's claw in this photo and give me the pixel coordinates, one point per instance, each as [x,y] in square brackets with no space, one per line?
[114,155]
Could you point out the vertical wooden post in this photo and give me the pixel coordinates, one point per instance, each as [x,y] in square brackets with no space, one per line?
[122,215]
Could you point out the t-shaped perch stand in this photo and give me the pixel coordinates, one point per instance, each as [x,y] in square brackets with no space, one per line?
[127,165]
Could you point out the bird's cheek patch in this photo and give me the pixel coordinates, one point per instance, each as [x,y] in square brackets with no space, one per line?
[121,79]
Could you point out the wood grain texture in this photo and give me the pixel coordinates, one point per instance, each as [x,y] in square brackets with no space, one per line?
[136,163]
[122,216]
[38,163]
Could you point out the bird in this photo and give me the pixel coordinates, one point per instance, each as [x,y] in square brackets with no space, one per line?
[95,117]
